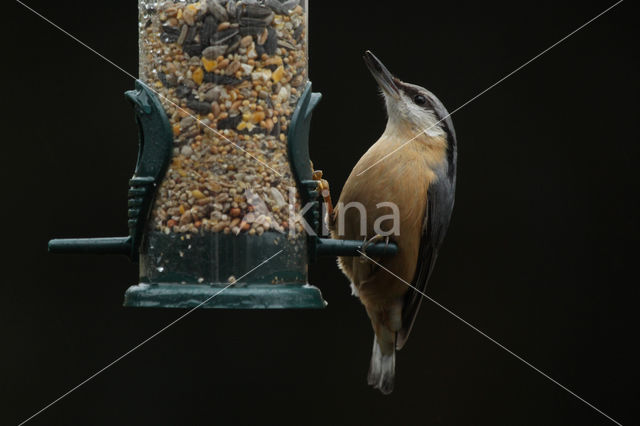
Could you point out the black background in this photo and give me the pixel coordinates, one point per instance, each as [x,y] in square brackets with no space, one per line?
[541,254]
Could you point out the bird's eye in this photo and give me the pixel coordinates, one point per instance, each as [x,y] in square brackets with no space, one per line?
[420,100]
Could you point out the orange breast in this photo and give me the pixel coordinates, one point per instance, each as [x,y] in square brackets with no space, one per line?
[401,179]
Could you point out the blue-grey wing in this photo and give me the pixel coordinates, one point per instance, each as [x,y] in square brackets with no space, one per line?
[440,199]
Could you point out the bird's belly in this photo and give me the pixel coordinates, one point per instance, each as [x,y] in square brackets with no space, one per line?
[400,183]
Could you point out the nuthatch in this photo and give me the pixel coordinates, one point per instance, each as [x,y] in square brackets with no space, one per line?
[420,179]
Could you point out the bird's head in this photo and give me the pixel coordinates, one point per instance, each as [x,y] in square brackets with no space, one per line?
[412,110]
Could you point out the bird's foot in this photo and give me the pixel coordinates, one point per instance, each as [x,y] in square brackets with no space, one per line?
[373,240]
[323,189]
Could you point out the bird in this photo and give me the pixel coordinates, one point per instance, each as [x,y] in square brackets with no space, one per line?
[412,166]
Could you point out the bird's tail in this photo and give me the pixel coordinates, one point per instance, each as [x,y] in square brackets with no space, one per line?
[382,368]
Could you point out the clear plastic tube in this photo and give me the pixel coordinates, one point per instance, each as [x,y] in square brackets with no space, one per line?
[229,74]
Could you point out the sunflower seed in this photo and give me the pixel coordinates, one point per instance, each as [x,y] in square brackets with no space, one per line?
[253,30]
[231,8]
[212,94]
[171,80]
[182,91]
[223,37]
[193,49]
[286,44]
[169,34]
[281,8]
[217,10]
[229,123]
[199,107]
[191,35]
[233,45]
[256,22]
[186,122]
[212,52]
[208,30]
[223,80]
[257,11]
[183,34]
[271,44]
[298,32]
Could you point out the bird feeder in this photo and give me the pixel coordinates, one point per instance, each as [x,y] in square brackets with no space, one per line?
[223,179]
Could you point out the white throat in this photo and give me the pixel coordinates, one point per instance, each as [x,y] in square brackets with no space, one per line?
[408,120]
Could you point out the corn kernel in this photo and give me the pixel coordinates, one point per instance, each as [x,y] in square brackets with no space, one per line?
[277,74]
[209,64]
[176,129]
[198,76]
[197,194]
[257,117]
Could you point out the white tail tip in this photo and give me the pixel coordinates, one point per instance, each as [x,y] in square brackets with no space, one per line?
[382,369]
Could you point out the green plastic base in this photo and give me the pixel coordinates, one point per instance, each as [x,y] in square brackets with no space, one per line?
[246,296]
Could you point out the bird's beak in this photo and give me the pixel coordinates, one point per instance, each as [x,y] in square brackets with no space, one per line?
[382,75]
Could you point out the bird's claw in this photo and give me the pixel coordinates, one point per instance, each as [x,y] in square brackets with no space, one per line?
[323,188]
[373,240]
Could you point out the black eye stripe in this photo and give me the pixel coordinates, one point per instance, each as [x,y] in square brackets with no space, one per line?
[417,96]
